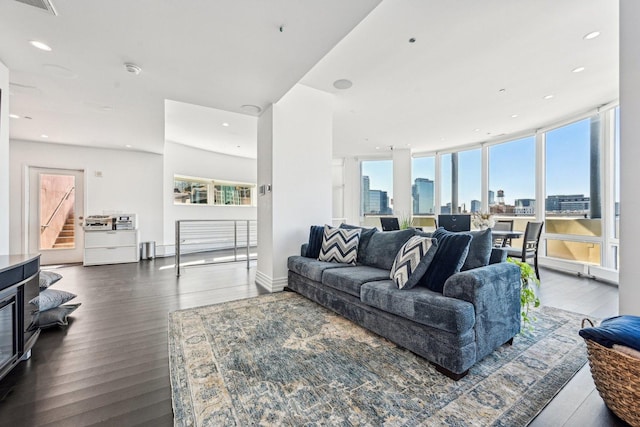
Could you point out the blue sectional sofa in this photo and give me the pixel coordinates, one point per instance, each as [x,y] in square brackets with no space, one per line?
[477,311]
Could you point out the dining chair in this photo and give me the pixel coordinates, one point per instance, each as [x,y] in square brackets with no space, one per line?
[529,245]
[502,225]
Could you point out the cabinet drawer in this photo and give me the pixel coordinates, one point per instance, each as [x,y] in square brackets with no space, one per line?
[97,239]
[110,255]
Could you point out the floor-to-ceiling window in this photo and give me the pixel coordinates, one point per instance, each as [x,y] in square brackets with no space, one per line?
[376,187]
[470,180]
[423,185]
[573,208]
[512,178]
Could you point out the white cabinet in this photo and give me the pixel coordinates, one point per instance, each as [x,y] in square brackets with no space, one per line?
[111,247]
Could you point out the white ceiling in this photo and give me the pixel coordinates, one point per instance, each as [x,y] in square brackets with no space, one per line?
[218,53]
[427,95]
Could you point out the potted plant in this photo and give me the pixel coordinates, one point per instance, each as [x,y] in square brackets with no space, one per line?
[528,297]
[406,221]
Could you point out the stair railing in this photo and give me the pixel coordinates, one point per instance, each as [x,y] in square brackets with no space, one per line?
[55,212]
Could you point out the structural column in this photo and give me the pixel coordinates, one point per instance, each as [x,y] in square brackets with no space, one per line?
[402,200]
[294,178]
[4,159]
[629,286]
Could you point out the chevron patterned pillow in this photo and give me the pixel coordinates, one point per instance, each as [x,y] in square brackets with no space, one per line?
[412,261]
[339,245]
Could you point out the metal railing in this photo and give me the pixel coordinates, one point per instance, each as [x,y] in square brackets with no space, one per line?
[204,235]
[57,209]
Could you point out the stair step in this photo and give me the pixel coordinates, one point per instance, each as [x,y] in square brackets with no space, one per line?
[61,239]
[67,233]
[63,245]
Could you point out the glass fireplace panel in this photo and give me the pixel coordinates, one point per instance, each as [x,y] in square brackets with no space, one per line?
[7,330]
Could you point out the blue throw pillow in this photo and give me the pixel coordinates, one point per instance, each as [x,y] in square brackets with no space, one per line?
[479,249]
[315,241]
[448,259]
[622,330]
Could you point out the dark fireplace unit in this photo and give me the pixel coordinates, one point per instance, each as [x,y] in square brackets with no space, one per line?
[19,284]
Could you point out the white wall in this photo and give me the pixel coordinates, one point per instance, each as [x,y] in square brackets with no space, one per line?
[4,160]
[629,286]
[183,160]
[352,181]
[131,182]
[300,170]
[265,201]
[337,180]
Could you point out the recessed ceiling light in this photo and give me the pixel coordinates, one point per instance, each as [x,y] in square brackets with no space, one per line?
[237,146]
[251,109]
[578,70]
[128,145]
[513,116]
[14,116]
[342,84]
[408,145]
[44,136]
[476,130]
[502,90]
[225,124]
[548,97]
[40,45]
[412,40]
[28,118]
[591,35]
[377,148]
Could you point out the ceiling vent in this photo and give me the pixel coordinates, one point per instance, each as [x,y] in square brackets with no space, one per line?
[44,5]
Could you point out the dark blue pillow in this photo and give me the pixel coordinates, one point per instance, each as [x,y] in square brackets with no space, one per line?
[315,241]
[622,330]
[448,260]
[479,249]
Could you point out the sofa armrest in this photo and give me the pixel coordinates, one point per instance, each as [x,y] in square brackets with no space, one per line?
[303,249]
[498,255]
[487,286]
[494,291]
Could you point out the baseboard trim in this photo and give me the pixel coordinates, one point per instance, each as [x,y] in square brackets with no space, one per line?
[269,283]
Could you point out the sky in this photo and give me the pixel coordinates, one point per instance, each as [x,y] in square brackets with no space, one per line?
[511,167]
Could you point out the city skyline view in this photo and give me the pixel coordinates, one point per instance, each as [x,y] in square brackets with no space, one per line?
[511,168]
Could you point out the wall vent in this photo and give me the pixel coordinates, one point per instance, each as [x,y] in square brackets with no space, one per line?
[44,5]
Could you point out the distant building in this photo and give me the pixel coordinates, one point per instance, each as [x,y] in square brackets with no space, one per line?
[567,203]
[446,210]
[526,207]
[364,196]
[492,197]
[476,206]
[423,196]
[378,202]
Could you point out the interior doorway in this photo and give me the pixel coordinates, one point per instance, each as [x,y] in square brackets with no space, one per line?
[56,213]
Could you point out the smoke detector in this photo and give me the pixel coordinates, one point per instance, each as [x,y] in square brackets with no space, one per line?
[132,68]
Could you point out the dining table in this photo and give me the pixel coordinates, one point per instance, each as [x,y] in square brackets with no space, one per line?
[506,235]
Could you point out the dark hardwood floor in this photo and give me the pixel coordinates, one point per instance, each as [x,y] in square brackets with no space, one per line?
[110,365]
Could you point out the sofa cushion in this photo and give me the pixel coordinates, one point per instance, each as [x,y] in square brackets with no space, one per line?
[420,305]
[311,268]
[365,237]
[350,280]
[448,260]
[339,245]
[412,261]
[383,247]
[315,241]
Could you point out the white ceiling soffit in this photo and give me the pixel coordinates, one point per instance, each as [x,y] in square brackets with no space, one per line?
[443,90]
[221,54]
[211,129]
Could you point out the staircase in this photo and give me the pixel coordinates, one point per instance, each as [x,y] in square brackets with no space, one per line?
[67,237]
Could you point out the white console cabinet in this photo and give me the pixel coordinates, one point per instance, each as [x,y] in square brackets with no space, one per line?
[111,247]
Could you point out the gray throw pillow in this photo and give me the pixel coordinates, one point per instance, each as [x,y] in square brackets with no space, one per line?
[365,237]
[51,298]
[54,317]
[383,247]
[48,278]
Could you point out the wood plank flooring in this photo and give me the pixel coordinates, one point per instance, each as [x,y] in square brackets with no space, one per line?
[110,365]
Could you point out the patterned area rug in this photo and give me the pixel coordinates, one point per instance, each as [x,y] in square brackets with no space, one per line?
[281,359]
